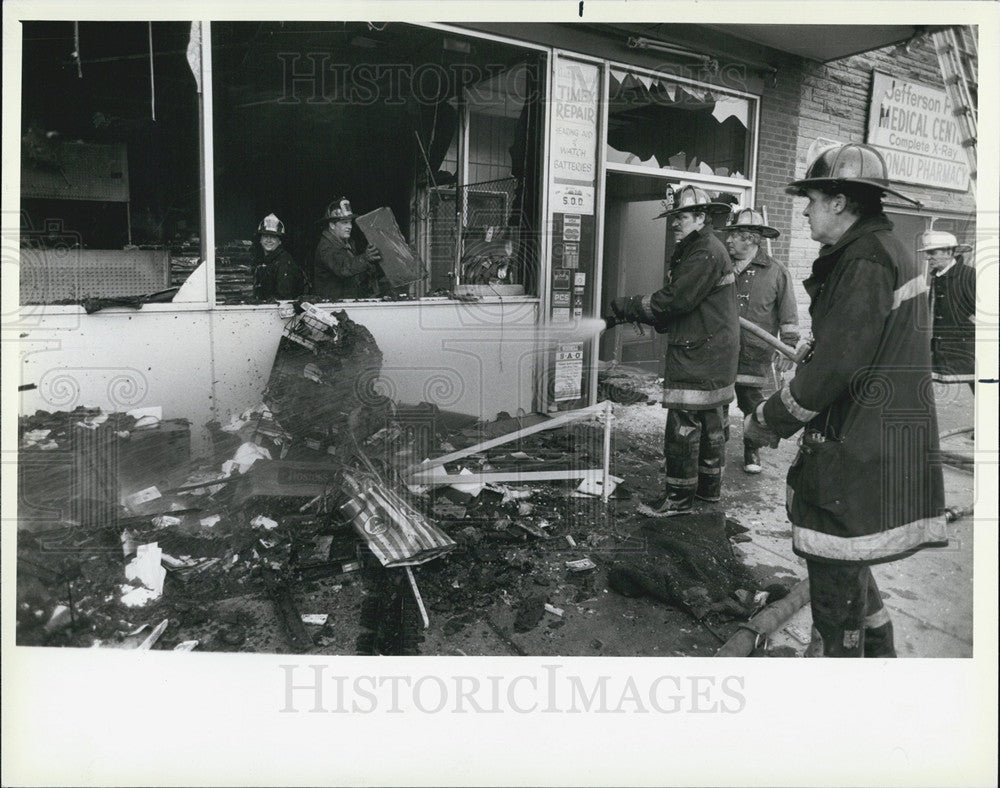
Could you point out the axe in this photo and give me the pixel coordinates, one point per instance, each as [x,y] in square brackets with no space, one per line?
[799,357]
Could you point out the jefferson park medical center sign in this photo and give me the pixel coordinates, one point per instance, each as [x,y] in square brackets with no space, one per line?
[913,127]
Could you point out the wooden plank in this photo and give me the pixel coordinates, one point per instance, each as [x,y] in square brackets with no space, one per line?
[556,421]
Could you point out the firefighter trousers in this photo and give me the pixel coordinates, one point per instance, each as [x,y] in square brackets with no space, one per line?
[849,619]
[694,446]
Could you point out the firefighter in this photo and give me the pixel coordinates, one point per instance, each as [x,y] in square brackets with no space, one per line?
[276,275]
[696,309]
[765,297]
[865,487]
[339,272]
[953,306]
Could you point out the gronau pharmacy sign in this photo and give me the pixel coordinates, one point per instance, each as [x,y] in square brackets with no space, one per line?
[913,127]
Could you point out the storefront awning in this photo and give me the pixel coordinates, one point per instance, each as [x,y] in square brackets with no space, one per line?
[824,43]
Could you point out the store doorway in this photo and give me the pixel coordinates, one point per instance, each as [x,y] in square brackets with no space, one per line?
[637,247]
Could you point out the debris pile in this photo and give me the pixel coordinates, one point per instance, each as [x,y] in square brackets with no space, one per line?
[322,383]
[627,385]
[331,518]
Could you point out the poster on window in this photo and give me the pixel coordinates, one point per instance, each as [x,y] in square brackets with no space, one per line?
[574,137]
[568,377]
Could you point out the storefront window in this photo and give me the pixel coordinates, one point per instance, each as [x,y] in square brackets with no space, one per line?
[441,129]
[110,196]
[662,124]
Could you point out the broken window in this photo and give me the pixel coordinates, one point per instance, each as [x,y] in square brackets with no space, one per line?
[663,124]
[442,129]
[482,235]
[110,194]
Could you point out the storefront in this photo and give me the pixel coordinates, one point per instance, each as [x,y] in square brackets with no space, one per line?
[525,164]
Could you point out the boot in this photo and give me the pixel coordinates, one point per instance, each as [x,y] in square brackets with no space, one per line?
[751,460]
[879,641]
[709,487]
[668,505]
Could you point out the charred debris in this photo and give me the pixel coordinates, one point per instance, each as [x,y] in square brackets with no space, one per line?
[330,519]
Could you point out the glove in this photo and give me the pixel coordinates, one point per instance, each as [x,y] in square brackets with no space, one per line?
[619,309]
[757,434]
[372,254]
[610,321]
[783,363]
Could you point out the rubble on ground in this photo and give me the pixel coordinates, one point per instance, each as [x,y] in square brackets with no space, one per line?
[287,537]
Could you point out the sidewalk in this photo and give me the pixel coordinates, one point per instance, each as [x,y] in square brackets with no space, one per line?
[929,595]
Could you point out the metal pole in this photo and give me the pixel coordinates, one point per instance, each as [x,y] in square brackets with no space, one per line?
[606,477]
[417,597]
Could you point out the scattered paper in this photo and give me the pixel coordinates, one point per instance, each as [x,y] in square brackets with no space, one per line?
[93,422]
[147,569]
[246,455]
[211,520]
[166,521]
[186,645]
[319,619]
[594,485]
[556,611]
[260,521]
[156,411]
[472,489]
[141,497]
[136,596]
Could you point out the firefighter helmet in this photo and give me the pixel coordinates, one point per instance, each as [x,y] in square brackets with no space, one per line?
[691,198]
[339,210]
[271,225]
[749,219]
[842,164]
[938,239]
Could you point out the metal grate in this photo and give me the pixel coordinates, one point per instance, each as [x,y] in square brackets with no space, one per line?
[476,218]
[70,275]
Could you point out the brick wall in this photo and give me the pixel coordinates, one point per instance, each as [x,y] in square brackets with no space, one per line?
[810,101]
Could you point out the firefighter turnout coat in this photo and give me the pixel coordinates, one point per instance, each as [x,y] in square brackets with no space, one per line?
[765,296]
[953,295]
[866,486]
[338,271]
[696,309]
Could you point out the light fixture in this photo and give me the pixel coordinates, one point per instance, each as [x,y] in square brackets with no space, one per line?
[710,63]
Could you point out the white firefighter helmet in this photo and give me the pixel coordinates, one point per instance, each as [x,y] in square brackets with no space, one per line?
[271,225]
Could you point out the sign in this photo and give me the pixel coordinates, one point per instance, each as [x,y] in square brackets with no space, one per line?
[571,254]
[573,157]
[567,197]
[913,127]
[571,227]
[568,377]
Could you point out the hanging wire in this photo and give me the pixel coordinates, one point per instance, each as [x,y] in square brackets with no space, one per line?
[76,49]
[152,84]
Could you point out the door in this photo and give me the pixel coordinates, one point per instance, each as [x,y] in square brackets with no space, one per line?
[637,246]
